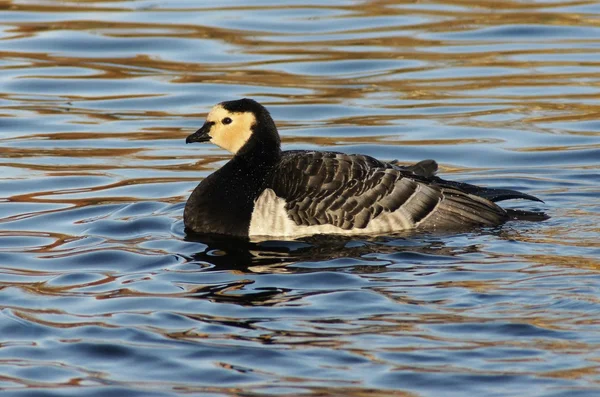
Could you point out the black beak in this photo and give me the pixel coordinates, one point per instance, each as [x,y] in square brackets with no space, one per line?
[202,134]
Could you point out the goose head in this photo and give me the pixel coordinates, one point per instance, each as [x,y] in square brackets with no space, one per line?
[237,126]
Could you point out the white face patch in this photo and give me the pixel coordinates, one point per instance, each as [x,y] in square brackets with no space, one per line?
[234,135]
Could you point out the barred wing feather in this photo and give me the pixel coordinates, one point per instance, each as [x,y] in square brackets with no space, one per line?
[350,191]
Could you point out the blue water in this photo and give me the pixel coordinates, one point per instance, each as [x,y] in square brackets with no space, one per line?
[101,292]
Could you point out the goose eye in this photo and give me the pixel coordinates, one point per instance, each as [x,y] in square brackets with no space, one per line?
[226,121]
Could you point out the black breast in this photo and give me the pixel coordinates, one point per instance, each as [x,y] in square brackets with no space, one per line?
[223,202]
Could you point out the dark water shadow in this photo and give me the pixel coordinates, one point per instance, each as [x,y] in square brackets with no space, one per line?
[225,253]
[326,255]
[328,258]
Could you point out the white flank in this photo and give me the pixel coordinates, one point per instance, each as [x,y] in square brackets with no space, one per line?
[270,219]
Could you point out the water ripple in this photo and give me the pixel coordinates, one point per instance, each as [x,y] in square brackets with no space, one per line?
[102,293]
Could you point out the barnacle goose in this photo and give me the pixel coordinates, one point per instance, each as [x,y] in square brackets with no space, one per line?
[266,192]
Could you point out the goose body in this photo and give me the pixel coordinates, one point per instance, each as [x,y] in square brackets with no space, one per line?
[266,192]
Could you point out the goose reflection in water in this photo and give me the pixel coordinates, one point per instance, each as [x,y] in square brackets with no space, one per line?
[319,254]
[227,253]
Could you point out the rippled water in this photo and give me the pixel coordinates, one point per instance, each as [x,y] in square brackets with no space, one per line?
[101,292]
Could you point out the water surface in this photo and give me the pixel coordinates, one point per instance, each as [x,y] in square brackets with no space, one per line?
[101,293]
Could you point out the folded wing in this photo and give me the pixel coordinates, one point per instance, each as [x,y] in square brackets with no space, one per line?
[354,192]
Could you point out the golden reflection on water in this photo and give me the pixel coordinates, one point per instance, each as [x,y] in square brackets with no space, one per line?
[106,92]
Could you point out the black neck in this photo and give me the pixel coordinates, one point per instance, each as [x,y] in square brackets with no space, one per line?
[261,155]
[262,151]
